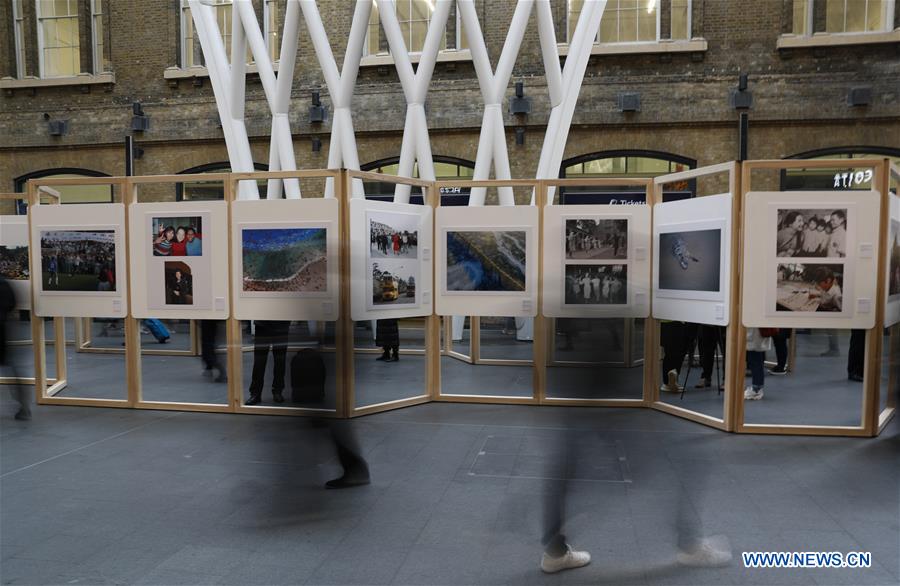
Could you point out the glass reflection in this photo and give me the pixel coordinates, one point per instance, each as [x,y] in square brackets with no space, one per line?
[693,366]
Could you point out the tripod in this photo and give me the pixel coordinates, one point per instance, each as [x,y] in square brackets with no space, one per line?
[717,357]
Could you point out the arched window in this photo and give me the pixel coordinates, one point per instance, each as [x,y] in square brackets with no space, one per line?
[68,193]
[212,190]
[445,168]
[836,178]
[637,163]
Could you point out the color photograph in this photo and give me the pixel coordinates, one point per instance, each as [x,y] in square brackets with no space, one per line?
[394,283]
[690,260]
[285,260]
[486,260]
[78,260]
[811,233]
[182,236]
[596,284]
[393,235]
[590,239]
[809,287]
[179,283]
[14,262]
[894,261]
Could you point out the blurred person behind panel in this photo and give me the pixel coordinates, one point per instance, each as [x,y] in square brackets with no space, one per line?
[18,392]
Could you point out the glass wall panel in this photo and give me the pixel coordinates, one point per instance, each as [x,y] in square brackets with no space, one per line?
[291,361]
[186,378]
[506,338]
[393,366]
[696,354]
[817,389]
[96,375]
[595,358]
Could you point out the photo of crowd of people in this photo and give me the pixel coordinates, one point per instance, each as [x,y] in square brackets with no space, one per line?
[810,287]
[14,262]
[179,283]
[811,233]
[177,236]
[393,235]
[596,284]
[593,239]
[78,260]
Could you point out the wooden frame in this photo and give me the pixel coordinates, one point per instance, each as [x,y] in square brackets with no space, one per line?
[869,420]
[873,419]
[724,422]
[883,417]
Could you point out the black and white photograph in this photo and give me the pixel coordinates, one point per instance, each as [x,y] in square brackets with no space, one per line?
[179,283]
[812,233]
[393,235]
[690,260]
[810,287]
[596,284]
[78,260]
[394,282]
[596,239]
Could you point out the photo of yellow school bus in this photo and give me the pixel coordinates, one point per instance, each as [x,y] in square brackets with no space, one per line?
[389,287]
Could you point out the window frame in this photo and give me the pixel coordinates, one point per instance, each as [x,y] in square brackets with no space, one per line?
[40,38]
[414,54]
[97,56]
[18,34]
[185,9]
[888,8]
[658,39]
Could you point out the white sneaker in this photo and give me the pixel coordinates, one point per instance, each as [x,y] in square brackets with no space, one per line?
[711,552]
[571,559]
[751,395]
[759,395]
[668,389]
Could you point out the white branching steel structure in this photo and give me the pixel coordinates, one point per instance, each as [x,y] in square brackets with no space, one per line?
[229,84]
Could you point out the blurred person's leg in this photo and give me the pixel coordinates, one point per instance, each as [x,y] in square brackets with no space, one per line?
[856,356]
[279,354]
[779,340]
[17,391]
[707,341]
[356,469]
[695,549]
[558,554]
[260,357]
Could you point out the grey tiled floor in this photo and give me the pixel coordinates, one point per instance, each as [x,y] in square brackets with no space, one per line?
[102,496]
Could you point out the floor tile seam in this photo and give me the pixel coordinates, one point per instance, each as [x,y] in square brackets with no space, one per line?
[91,444]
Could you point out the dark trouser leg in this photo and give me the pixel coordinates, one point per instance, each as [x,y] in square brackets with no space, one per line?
[19,392]
[348,450]
[707,341]
[779,340]
[208,344]
[755,361]
[260,357]
[856,356]
[672,338]
[553,538]
[279,351]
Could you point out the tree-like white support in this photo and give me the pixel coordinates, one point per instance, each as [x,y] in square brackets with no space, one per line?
[564,85]
[342,151]
[222,78]
[492,140]
[416,144]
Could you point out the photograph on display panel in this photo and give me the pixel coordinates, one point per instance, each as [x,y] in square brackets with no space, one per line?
[690,260]
[177,236]
[394,282]
[486,260]
[596,239]
[393,235]
[596,284]
[809,287]
[810,233]
[14,262]
[894,261]
[179,283]
[285,261]
[78,261]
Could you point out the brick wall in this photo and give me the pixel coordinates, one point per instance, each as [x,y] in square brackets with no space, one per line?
[799,97]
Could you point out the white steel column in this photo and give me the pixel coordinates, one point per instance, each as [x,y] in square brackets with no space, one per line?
[416,143]
[564,86]
[342,149]
[236,141]
[492,141]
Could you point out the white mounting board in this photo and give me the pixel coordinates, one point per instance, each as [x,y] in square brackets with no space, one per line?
[711,307]
[637,261]
[362,303]
[99,216]
[209,272]
[759,272]
[306,213]
[487,219]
